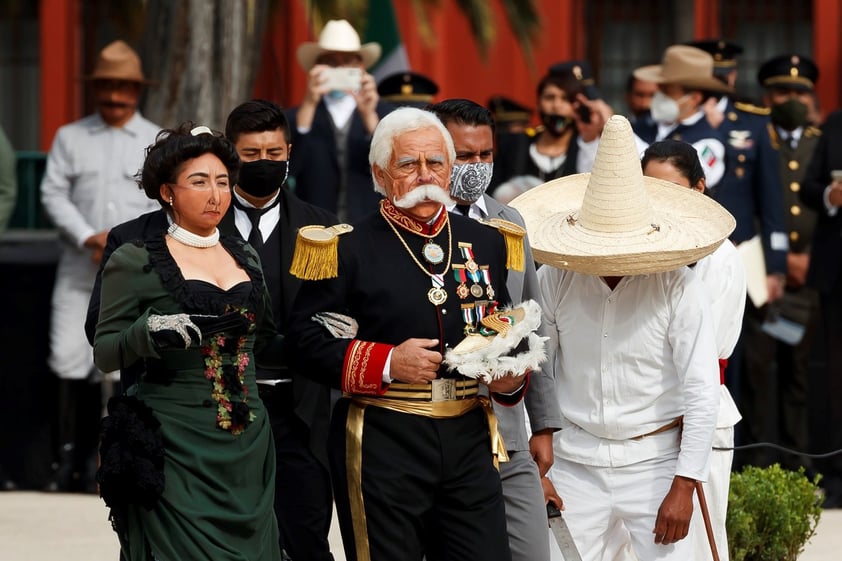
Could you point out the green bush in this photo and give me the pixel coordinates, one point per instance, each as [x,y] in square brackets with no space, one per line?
[772,512]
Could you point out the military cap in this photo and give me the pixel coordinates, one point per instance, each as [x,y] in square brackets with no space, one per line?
[579,70]
[795,72]
[507,110]
[407,88]
[724,53]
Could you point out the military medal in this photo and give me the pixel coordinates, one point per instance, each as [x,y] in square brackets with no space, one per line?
[486,276]
[436,295]
[433,253]
[468,318]
[477,291]
[459,274]
[468,255]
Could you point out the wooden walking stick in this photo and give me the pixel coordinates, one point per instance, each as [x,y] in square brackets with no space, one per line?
[703,505]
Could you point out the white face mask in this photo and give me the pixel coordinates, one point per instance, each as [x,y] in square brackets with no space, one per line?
[665,109]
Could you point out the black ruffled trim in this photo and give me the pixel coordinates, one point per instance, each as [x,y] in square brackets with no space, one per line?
[196,302]
[131,450]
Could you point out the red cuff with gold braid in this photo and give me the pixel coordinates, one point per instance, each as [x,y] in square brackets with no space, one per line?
[362,371]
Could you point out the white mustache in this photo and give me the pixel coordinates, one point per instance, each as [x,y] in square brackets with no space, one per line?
[423,193]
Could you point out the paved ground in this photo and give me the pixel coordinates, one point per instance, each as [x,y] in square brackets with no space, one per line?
[46,527]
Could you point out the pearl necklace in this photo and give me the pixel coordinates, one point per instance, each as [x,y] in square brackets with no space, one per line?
[187,237]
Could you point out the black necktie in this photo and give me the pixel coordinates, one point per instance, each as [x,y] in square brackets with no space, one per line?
[464,209]
[254,215]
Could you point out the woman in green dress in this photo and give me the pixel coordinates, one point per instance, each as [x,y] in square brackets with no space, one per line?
[194,308]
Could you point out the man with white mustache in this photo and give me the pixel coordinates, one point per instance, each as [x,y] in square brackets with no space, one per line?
[413,469]
[471,127]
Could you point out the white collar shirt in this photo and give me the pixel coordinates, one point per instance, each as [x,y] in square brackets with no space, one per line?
[629,361]
[268,220]
[478,209]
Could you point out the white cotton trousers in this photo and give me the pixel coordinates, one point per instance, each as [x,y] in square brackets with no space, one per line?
[602,503]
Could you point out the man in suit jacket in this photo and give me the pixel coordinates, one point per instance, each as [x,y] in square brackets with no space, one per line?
[472,128]
[333,126]
[268,215]
[822,192]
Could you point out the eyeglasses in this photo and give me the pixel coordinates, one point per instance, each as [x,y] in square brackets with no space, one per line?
[406,167]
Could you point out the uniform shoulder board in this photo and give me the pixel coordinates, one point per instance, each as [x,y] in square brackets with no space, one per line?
[316,254]
[751,108]
[514,235]
[812,131]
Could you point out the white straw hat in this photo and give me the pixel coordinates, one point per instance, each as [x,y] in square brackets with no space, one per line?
[337,36]
[616,222]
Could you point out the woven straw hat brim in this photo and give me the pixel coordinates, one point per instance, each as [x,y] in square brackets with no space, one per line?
[686,226]
[654,73]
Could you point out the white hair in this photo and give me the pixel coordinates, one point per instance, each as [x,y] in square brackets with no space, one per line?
[399,121]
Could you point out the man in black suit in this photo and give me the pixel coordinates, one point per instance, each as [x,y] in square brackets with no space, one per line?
[822,191]
[268,215]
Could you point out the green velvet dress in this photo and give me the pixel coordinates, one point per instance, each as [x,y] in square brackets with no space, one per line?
[219,460]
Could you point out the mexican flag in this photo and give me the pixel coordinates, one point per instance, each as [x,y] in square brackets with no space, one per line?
[382,27]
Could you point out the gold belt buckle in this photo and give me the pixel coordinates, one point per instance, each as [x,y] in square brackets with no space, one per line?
[444,389]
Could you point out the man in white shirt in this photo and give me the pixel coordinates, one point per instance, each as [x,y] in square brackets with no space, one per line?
[89,186]
[633,345]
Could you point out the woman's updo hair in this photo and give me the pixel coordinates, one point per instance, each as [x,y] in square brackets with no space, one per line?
[173,147]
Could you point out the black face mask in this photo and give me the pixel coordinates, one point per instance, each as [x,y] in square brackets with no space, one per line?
[262,178]
[556,125]
[789,115]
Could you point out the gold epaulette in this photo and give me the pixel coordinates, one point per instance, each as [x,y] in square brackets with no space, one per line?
[316,255]
[812,131]
[514,236]
[751,108]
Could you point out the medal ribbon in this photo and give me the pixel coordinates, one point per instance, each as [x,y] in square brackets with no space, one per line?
[459,273]
[468,314]
[482,308]
[438,280]
[486,276]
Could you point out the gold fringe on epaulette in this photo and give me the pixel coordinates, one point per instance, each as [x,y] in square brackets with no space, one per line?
[316,255]
[514,236]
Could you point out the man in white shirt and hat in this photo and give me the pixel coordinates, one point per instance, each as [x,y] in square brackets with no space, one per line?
[632,341]
[335,121]
[88,187]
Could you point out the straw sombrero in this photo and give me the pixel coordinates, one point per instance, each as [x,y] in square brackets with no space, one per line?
[616,222]
[337,36]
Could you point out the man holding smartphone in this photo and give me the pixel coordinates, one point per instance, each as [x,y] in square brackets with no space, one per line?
[334,122]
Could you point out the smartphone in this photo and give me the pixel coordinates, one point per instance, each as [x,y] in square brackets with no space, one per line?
[584,113]
[341,78]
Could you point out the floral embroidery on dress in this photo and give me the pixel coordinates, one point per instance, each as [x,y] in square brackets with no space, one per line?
[225,365]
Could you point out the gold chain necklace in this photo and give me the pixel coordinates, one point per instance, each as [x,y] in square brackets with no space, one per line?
[411,254]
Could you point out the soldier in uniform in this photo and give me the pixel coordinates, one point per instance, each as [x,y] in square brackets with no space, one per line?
[407,89]
[410,454]
[751,190]
[685,79]
[789,82]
